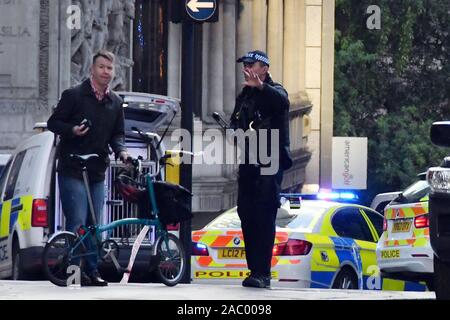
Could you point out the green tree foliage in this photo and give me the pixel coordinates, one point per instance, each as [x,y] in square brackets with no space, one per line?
[391,84]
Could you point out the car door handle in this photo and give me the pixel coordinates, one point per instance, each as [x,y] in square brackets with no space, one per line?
[17,208]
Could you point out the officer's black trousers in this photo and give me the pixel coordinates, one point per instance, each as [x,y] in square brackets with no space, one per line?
[258,201]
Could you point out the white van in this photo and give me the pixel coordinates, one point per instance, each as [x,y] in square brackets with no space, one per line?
[30,210]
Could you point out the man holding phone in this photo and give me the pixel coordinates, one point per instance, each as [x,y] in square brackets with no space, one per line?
[89,118]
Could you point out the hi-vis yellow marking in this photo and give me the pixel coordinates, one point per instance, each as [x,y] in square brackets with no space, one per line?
[226,274]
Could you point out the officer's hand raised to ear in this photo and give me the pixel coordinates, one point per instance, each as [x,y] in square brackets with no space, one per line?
[252,79]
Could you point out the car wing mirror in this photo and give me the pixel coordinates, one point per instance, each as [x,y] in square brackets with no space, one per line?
[440,133]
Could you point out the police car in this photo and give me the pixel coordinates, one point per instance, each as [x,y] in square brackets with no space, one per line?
[318,244]
[404,250]
[30,210]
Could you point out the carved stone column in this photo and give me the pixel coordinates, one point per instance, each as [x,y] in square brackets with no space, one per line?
[260,24]
[229,60]
[294,49]
[215,53]
[275,38]
[244,35]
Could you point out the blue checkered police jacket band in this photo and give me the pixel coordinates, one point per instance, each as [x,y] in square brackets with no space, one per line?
[258,57]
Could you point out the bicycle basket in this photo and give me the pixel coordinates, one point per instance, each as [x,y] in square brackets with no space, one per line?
[173,202]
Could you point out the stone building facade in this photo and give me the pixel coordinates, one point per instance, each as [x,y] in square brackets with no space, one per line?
[42,54]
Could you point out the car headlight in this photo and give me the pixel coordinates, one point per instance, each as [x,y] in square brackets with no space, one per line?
[439,179]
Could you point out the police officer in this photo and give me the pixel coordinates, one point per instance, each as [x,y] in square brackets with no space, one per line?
[262,104]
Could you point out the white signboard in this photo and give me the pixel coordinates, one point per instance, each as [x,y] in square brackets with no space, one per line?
[349,163]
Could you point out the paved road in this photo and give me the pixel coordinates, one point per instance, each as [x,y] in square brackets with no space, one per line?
[43,290]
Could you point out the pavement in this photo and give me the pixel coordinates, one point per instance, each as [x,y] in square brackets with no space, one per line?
[44,290]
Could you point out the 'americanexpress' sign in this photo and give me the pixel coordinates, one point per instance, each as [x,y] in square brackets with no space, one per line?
[349,165]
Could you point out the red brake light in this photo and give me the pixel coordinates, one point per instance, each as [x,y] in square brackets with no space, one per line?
[199,249]
[384,224]
[293,247]
[39,213]
[422,221]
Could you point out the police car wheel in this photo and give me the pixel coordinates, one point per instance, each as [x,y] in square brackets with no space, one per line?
[441,279]
[346,279]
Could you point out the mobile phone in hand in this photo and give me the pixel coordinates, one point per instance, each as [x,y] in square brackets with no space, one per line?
[87,123]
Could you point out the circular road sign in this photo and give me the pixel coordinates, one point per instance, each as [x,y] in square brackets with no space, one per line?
[201,10]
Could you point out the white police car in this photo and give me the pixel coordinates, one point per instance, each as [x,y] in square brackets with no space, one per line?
[404,250]
[318,244]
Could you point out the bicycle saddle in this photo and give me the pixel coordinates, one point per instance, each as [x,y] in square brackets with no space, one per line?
[83,157]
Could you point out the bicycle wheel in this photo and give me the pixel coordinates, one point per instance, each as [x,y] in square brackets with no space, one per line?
[57,257]
[171,263]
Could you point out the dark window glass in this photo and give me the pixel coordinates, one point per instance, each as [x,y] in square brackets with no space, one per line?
[376,219]
[3,176]
[349,223]
[12,179]
[150,43]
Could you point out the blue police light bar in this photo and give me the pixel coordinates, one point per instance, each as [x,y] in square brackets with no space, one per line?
[343,196]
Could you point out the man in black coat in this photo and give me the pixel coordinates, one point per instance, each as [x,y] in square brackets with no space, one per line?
[89,118]
[262,104]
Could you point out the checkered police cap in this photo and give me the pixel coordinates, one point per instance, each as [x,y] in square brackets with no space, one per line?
[253,56]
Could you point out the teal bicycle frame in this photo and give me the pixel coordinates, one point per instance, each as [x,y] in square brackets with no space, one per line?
[160,230]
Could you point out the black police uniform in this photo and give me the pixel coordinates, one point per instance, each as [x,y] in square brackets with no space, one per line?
[258,194]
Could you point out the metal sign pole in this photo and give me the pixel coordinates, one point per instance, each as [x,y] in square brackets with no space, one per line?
[187,106]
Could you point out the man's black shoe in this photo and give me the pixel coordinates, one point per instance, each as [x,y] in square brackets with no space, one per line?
[257,281]
[97,281]
[91,281]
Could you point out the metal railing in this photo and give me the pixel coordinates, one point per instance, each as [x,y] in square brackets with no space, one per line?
[116,208]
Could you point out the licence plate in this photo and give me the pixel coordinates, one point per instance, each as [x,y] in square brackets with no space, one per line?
[401,226]
[232,253]
[226,274]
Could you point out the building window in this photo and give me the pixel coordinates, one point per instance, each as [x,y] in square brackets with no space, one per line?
[150,37]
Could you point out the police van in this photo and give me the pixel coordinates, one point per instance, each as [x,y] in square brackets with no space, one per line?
[30,210]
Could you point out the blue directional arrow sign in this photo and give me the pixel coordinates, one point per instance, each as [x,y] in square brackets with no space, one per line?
[201,10]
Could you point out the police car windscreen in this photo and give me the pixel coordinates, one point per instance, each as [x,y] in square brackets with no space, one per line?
[416,191]
[301,218]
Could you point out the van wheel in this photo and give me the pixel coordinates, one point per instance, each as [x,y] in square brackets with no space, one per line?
[18,272]
[441,279]
[346,279]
